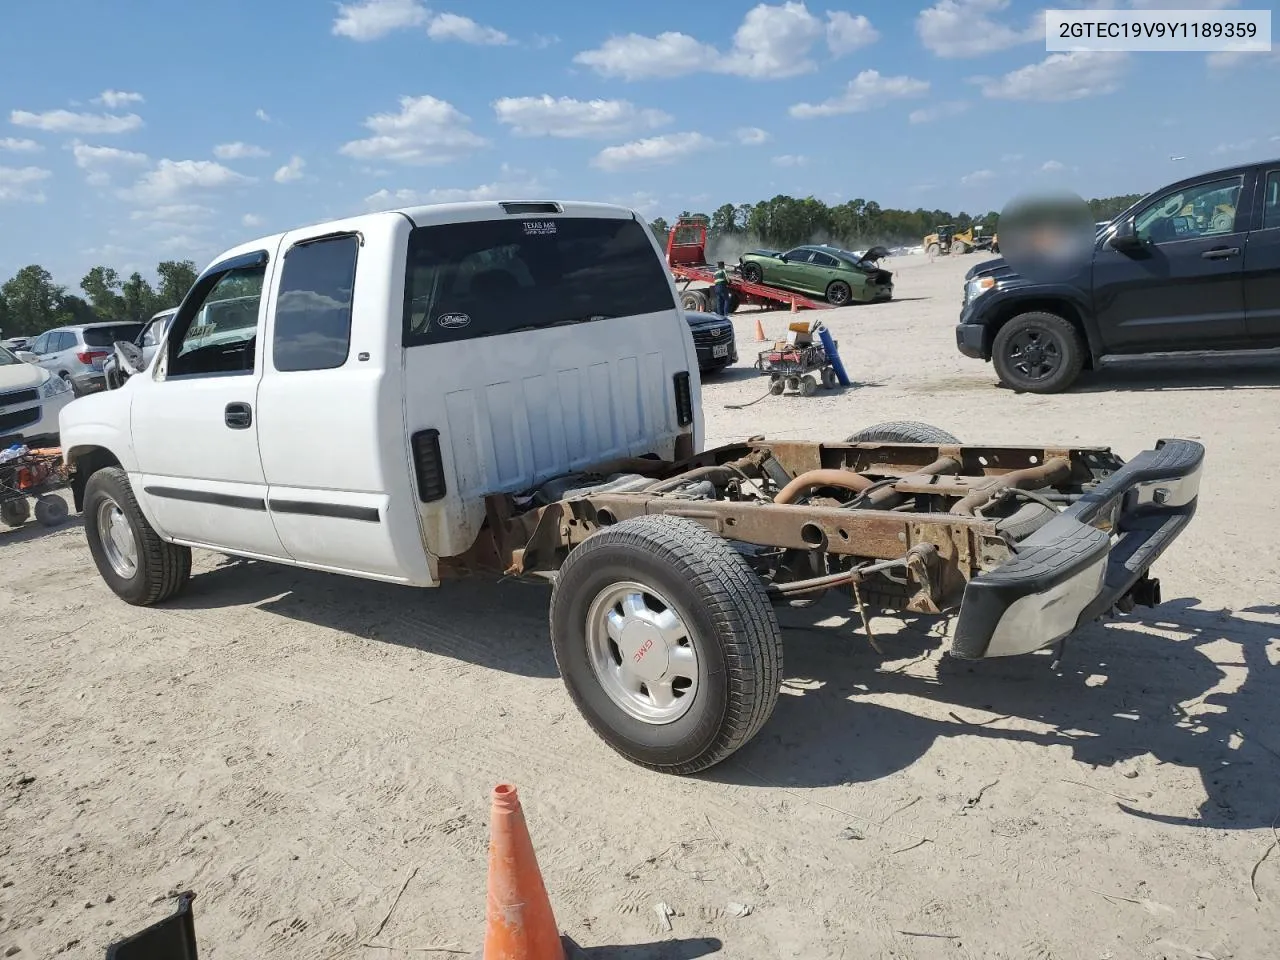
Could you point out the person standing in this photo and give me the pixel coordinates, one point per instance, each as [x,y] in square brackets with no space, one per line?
[722,289]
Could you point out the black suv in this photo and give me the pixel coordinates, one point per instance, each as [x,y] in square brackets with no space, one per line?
[1192,267]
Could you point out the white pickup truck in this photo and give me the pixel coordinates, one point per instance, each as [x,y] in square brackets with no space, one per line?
[511,387]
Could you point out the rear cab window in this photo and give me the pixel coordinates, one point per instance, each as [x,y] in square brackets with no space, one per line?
[491,277]
[1271,201]
[107,336]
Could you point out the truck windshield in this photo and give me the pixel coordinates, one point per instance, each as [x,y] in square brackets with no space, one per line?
[481,279]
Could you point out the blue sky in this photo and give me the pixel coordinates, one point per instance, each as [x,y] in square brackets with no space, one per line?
[147,130]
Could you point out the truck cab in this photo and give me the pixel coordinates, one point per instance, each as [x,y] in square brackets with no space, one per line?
[344,396]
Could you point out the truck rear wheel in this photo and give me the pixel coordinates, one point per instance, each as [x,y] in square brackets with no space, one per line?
[1038,352]
[666,642]
[136,564]
[694,301]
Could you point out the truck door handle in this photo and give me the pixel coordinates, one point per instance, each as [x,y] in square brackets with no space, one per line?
[238,416]
[1220,253]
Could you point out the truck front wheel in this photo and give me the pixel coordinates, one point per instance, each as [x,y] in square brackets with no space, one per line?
[667,643]
[1038,352]
[136,564]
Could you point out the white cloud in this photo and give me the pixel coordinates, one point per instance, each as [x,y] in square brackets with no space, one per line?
[513,184]
[18,184]
[790,160]
[846,33]
[87,157]
[172,179]
[1010,157]
[238,151]
[1059,77]
[115,99]
[652,152]
[964,28]
[291,171]
[772,42]
[64,121]
[262,115]
[19,145]
[868,89]
[978,176]
[1052,166]
[451,26]
[251,220]
[541,41]
[948,108]
[425,131]
[372,19]
[751,136]
[547,116]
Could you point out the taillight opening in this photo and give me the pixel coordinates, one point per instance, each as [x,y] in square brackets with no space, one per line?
[684,399]
[428,466]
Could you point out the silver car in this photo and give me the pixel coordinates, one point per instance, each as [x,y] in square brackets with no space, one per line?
[76,353]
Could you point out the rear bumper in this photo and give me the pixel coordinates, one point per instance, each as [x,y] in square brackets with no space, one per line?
[1086,560]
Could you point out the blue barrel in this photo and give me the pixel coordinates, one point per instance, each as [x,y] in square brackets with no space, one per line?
[832,356]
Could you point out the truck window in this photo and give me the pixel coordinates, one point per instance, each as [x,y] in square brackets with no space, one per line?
[106,336]
[313,310]
[490,277]
[1202,210]
[1271,201]
[222,335]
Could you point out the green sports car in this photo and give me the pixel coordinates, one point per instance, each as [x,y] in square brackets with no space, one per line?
[838,276]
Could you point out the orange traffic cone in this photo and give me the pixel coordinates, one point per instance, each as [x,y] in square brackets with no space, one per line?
[519,924]
[759,331]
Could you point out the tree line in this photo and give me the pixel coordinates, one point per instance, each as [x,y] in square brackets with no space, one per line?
[787,221]
[31,302]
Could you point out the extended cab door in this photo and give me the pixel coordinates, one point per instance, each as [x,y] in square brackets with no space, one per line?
[1262,265]
[194,423]
[1183,287]
[330,405]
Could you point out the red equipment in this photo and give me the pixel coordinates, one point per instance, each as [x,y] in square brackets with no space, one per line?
[687,260]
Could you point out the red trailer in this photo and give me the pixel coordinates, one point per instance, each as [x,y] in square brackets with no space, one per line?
[687,260]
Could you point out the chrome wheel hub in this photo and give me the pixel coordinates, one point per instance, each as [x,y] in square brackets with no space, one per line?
[641,652]
[118,542]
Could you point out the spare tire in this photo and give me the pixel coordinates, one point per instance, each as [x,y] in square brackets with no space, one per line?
[901,431]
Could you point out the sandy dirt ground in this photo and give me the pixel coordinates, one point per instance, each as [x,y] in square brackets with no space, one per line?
[297,747]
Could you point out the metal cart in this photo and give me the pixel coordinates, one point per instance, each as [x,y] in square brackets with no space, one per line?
[32,475]
[792,366]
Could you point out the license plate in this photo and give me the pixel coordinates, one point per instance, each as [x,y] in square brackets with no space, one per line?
[720,350]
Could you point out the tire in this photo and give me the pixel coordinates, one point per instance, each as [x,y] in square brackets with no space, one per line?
[829,378]
[1052,369]
[51,510]
[694,300]
[839,293]
[160,570]
[752,273]
[933,250]
[721,612]
[734,300]
[808,386]
[901,431]
[959,248]
[15,512]
[777,386]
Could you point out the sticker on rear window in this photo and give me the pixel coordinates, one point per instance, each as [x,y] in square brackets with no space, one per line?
[539,228]
[452,321]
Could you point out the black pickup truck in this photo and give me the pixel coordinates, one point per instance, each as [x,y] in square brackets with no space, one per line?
[1192,267]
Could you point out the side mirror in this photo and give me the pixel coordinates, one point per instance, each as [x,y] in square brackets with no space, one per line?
[26,356]
[782,257]
[1125,236]
[129,357]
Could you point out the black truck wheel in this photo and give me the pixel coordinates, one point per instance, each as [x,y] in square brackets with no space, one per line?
[666,642]
[136,564]
[1038,352]
[901,431]
[15,511]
